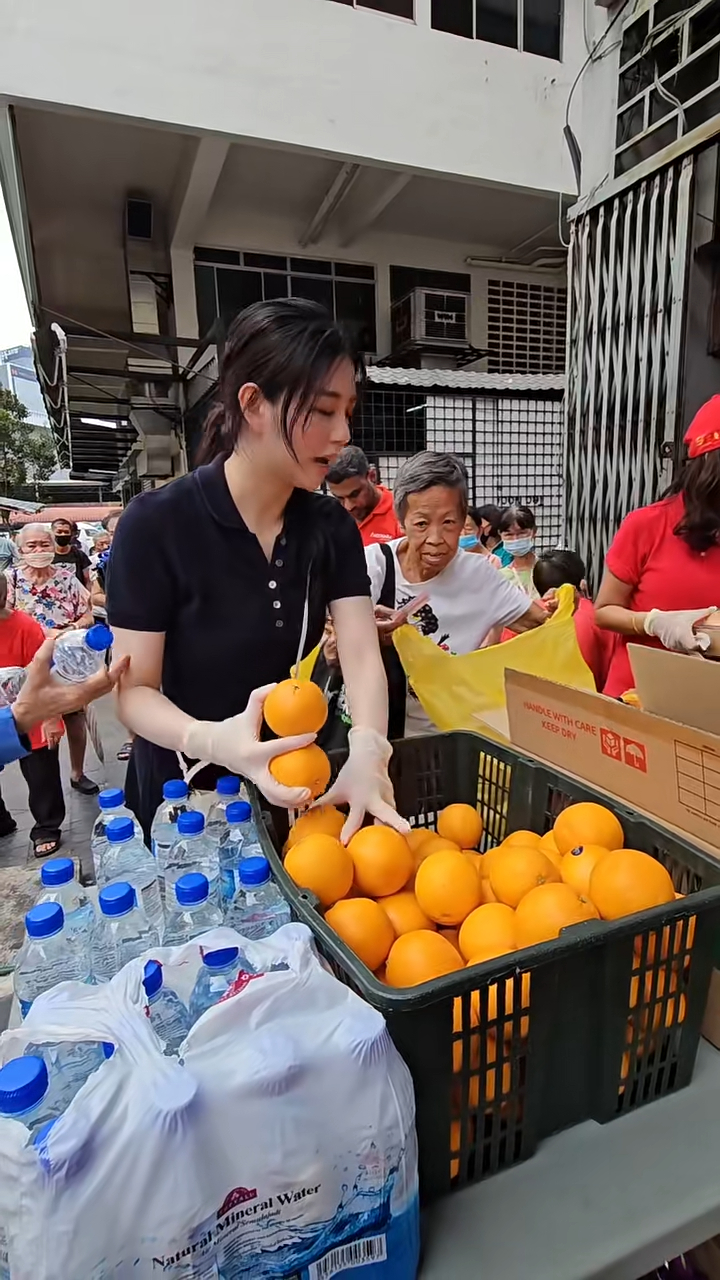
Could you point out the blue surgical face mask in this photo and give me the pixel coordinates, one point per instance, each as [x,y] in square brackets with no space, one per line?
[468,541]
[519,546]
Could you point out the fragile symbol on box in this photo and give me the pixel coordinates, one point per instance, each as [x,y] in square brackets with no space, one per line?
[611,744]
[635,755]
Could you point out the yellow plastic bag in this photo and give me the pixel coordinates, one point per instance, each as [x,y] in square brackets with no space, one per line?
[467,691]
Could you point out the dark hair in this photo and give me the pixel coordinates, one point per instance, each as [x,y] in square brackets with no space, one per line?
[62,520]
[699,485]
[287,347]
[3,591]
[491,515]
[521,516]
[557,567]
[350,463]
[107,520]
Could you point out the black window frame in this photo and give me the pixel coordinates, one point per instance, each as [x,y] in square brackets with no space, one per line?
[374,6]
[466,15]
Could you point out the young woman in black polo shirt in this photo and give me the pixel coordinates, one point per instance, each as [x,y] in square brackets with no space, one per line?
[218,579]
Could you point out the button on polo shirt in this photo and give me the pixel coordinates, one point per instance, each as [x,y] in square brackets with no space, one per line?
[185,563]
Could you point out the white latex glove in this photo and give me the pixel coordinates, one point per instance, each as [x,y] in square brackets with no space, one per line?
[675,630]
[235,744]
[363,784]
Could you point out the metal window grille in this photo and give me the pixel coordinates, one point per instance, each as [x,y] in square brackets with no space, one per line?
[526,327]
[512,445]
[627,272]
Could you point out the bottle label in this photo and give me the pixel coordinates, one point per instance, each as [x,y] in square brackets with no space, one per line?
[228,884]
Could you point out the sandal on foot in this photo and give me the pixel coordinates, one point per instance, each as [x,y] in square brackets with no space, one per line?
[41,851]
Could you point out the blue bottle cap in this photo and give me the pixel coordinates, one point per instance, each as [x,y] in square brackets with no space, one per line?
[229,785]
[99,637]
[117,899]
[108,1048]
[153,978]
[57,871]
[23,1083]
[192,889]
[111,798]
[44,920]
[120,829]
[238,811]
[175,789]
[190,823]
[254,871]
[221,959]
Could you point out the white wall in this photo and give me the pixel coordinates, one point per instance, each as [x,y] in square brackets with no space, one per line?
[305,73]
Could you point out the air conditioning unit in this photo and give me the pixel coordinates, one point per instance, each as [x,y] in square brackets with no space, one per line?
[427,318]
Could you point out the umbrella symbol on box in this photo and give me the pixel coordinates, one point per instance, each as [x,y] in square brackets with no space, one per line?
[635,755]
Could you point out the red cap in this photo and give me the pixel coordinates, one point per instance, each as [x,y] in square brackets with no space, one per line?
[703,434]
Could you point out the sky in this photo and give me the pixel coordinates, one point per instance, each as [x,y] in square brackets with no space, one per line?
[14,315]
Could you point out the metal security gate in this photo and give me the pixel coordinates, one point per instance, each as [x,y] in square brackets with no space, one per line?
[627,275]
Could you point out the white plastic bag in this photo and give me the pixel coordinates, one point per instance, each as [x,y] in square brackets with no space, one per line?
[281,1146]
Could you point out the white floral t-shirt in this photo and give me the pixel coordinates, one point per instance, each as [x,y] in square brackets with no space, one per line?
[55,603]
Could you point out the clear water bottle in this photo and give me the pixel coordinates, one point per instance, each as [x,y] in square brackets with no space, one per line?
[193,850]
[112,805]
[47,956]
[194,911]
[166,1011]
[260,907]
[12,680]
[25,1093]
[127,858]
[219,971]
[60,885]
[80,654]
[122,932]
[163,832]
[227,791]
[238,841]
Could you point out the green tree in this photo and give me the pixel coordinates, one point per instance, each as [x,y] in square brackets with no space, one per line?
[27,453]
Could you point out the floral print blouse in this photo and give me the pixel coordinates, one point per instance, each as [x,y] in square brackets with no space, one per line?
[55,603]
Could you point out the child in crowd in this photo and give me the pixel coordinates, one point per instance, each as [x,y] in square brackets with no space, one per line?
[552,571]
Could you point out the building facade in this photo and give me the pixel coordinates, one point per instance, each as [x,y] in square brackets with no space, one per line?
[17,374]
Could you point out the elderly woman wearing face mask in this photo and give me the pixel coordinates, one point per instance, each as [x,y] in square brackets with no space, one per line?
[56,599]
[448,594]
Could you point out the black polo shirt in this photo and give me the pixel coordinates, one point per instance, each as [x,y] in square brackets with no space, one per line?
[184,562]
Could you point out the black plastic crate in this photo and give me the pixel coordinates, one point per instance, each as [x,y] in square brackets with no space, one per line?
[590,1026]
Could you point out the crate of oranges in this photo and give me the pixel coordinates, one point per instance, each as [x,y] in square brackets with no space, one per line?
[542,954]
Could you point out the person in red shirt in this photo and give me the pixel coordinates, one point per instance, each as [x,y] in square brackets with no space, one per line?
[597,647]
[353,482]
[20,638]
[662,572]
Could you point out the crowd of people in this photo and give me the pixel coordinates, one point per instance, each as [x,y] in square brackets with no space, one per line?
[297,545]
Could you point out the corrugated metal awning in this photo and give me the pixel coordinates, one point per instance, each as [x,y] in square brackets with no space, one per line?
[464,380]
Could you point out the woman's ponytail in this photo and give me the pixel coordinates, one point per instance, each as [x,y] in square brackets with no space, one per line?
[214,441]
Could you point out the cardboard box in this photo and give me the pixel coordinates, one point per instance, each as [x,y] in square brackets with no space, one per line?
[669,768]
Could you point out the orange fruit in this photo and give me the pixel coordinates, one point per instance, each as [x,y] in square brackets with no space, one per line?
[404,913]
[364,928]
[683,940]
[577,866]
[383,861]
[321,864]
[587,823]
[460,823]
[528,839]
[418,957]
[381,975]
[417,838]
[488,951]
[455,1140]
[488,925]
[436,843]
[308,767]
[474,858]
[295,706]
[325,820]
[496,1080]
[544,911]
[487,889]
[519,870]
[452,937]
[447,887]
[626,880]
[550,849]
[459,1045]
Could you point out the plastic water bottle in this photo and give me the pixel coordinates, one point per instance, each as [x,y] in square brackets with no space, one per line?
[238,841]
[192,850]
[226,792]
[260,908]
[80,654]
[47,956]
[12,680]
[112,805]
[166,1010]
[25,1093]
[59,885]
[127,858]
[122,932]
[219,971]
[194,911]
[163,832]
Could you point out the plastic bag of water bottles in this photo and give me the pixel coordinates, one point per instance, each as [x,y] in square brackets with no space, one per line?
[279,1144]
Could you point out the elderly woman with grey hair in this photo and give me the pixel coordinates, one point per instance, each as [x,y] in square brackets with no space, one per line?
[460,597]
